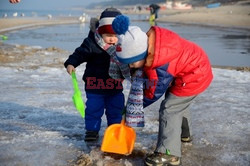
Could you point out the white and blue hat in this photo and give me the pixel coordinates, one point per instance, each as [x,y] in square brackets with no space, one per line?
[132,41]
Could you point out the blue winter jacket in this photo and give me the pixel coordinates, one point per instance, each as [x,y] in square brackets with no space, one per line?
[96,75]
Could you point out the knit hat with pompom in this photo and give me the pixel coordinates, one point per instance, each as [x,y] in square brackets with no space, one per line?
[106,19]
[132,41]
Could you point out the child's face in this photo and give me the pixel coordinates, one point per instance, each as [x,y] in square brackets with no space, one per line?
[137,64]
[110,39]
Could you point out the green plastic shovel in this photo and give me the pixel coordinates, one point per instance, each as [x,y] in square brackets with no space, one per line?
[77,97]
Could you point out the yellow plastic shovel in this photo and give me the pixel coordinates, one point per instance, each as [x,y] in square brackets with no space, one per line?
[77,97]
[119,138]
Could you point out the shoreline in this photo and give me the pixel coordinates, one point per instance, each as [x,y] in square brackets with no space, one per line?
[13,24]
[228,16]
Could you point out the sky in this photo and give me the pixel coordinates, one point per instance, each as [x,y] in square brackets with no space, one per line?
[45,4]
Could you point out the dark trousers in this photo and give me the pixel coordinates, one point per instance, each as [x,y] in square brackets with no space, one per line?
[96,104]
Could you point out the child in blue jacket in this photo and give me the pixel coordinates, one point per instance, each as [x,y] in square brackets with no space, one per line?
[103,77]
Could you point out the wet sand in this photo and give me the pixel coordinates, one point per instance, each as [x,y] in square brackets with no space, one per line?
[234,16]
[10,24]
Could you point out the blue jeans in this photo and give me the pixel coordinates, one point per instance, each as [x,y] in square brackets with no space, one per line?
[95,106]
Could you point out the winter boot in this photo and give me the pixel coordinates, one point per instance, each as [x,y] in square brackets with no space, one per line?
[160,159]
[91,136]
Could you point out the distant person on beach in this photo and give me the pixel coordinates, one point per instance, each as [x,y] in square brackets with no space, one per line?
[103,75]
[154,10]
[14,1]
[164,64]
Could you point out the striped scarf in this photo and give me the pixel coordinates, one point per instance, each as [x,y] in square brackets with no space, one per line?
[134,108]
[117,70]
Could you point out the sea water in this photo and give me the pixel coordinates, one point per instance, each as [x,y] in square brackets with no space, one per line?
[224,46]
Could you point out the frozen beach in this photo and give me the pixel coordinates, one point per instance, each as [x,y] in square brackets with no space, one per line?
[40,126]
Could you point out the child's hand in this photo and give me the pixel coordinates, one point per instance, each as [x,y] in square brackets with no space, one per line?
[70,69]
[14,1]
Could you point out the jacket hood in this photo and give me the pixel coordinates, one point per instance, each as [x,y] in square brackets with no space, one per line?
[163,47]
[93,24]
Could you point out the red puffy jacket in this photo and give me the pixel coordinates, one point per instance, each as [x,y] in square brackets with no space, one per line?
[186,66]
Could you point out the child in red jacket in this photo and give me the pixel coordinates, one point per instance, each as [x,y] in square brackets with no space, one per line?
[172,66]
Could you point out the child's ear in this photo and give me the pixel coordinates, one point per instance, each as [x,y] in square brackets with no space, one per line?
[94,23]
